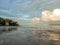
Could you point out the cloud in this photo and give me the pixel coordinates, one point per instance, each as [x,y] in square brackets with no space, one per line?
[56,12]
[51,15]
[35,20]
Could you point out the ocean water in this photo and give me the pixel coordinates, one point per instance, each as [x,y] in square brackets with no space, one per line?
[29,36]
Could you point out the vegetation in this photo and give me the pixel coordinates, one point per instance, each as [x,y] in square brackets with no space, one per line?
[8,22]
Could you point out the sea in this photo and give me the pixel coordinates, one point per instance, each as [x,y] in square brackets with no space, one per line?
[14,35]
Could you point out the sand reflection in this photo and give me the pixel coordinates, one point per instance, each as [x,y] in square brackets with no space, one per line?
[7,29]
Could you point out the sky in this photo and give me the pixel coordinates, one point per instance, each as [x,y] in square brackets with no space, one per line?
[26,12]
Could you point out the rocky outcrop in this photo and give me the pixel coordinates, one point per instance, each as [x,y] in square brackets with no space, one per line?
[8,22]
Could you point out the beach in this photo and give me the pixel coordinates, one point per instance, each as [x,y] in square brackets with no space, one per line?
[29,36]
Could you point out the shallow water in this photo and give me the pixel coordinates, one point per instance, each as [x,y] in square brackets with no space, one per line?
[28,36]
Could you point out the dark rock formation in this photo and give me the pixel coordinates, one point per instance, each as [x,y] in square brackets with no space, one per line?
[8,22]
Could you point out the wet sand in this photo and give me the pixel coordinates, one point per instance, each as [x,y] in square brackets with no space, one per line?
[29,36]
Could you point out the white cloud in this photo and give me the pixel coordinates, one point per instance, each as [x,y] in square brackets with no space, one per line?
[51,16]
[24,19]
[56,12]
[25,16]
[35,20]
